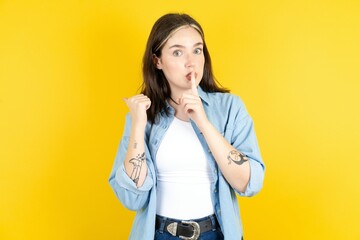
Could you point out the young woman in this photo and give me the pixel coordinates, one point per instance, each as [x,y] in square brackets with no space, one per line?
[188,145]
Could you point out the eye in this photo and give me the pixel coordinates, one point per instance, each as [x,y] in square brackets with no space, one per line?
[198,51]
[177,53]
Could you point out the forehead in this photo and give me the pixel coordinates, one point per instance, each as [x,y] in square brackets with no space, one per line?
[185,35]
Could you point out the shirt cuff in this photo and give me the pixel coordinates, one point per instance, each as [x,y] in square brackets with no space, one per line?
[126,182]
[256,179]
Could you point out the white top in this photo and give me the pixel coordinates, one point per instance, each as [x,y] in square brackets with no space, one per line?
[184,176]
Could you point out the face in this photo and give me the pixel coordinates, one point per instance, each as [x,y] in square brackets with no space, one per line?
[181,56]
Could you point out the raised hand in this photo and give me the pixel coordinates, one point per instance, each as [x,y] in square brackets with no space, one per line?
[192,104]
[138,105]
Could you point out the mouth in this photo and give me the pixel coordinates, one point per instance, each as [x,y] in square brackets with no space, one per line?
[188,76]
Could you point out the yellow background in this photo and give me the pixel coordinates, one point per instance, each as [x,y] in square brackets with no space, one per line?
[65,66]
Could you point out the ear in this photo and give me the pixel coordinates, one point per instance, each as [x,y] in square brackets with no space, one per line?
[157,62]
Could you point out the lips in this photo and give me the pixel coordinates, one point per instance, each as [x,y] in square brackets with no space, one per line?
[188,76]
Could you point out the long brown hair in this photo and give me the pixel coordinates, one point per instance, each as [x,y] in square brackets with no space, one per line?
[155,85]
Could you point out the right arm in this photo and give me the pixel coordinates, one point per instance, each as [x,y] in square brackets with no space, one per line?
[131,178]
[135,159]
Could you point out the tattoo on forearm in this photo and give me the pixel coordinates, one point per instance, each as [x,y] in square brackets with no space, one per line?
[137,163]
[237,157]
[135,145]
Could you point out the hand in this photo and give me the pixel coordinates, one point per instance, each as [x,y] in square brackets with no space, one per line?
[192,104]
[138,105]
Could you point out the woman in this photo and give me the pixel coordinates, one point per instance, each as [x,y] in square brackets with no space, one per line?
[188,145]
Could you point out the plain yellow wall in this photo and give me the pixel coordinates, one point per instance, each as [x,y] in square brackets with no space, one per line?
[66,65]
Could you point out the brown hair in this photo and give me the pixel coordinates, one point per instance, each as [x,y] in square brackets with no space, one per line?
[155,85]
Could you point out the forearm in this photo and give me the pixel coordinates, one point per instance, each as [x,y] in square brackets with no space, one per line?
[232,163]
[135,159]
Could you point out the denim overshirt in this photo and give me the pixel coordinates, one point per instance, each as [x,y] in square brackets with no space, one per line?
[229,116]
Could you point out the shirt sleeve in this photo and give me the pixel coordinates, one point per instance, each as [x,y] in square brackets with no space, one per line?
[127,192]
[244,140]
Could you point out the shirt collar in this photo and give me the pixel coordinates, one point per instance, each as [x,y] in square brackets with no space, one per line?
[203,95]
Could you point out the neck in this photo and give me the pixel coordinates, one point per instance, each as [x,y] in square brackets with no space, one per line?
[179,112]
[182,116]
[173,101]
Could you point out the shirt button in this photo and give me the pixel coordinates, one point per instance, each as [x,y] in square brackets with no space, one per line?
[215,191]
[215,171]
[164,127]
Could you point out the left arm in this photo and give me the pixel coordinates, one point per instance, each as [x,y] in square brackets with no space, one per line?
[233,164]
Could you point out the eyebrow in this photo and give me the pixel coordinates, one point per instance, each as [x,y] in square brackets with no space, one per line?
[181,46]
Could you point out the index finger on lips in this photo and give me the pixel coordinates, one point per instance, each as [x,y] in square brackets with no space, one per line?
[193,83]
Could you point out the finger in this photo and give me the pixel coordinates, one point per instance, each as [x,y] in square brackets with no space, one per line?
[190,107]
[146,102]
[190,96]
[135,99]
[193,83]
[125,99]
[186,101]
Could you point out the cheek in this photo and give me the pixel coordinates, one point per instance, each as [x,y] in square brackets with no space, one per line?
[170,71]
[202,64]
[172,67]
[203,61]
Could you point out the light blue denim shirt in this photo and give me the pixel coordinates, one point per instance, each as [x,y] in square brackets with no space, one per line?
[229,116]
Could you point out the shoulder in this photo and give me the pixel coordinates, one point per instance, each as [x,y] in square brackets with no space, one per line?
[228,100]
[226,106]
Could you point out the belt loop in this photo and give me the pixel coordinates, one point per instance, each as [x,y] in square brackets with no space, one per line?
[213,222]
[162,224]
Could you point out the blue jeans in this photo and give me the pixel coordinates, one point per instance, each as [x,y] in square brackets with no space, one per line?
[214,234]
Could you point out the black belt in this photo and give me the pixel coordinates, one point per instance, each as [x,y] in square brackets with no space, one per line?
[190,230]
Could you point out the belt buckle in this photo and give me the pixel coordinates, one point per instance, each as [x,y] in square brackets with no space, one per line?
[172,227]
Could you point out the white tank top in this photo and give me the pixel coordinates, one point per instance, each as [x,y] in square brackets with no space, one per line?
[184,176]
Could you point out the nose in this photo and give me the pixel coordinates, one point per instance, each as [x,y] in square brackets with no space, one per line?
[190,61]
